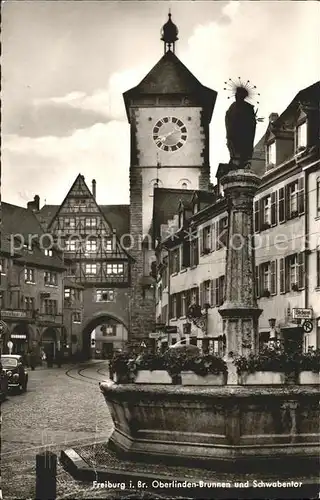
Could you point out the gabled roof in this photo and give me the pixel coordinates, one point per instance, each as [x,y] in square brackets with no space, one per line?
[171,76]
[19,220]
[118,216]
[166,205]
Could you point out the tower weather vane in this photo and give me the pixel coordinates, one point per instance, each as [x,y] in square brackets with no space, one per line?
[240,121]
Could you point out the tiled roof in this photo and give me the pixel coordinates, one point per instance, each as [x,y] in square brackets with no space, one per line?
[19,220]
[116,215]
[171,76]
[72,284]
[166,205]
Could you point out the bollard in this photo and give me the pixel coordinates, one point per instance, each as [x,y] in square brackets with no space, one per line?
[46,476]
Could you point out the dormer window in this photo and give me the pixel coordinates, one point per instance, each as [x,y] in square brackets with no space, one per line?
[301,136]
[271,154]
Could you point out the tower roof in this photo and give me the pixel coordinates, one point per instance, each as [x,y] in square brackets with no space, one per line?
[171,77]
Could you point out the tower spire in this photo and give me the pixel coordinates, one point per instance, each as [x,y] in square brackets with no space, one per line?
[169,34]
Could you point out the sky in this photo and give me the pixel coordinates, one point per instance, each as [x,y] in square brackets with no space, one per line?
[65,65]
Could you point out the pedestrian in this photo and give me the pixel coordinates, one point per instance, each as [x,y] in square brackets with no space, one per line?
[49,358]
[58,358]
[32,360]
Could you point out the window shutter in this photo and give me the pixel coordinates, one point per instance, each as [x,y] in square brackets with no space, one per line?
[212,293]
[218,244]
[256,216]
[282,275]
[281,206]
[217,291]
[201,290]
[213,236]
[178,305]
[170,306]
[286,202]
[257,281]
[201,234]
[222,289]
[287,275]
[318,268]
[273,268]
[301,269]
[273,208]
[301,195]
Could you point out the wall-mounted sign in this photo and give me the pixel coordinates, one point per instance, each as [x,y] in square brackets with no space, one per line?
[18,336]
[171,329]
[14,314]
[154,335]
[300,313]
[307,326]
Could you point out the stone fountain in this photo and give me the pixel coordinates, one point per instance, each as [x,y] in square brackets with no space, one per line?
[230,424]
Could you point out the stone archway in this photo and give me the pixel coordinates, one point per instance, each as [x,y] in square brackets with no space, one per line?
[49,341]
[20,338]
[112,335]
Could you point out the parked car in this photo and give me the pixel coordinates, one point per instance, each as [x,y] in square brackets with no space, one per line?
[15,369]
[3,384]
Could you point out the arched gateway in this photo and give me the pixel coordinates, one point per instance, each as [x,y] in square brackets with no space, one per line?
[102,335]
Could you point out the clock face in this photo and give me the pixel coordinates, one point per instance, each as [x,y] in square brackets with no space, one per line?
[169,133]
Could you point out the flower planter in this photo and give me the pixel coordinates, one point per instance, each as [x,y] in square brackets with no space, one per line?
[191,378]
[153,377]
[262,378]
[308,377]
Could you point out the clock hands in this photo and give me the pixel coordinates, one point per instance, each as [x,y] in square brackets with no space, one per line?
[163,137]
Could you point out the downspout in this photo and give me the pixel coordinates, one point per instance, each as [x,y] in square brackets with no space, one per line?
[307,244]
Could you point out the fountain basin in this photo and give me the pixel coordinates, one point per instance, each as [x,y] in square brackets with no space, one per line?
[209,423]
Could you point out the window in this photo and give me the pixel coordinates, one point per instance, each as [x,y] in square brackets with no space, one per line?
[175,261]
[222,233]
[50,306]
[301,136]
[29,275]
[115,269]
[48,252]
[71,245]
[90,223]
[109,330]
[271,154]
[205,291]
[80,205]
[266,279]
[91,245]
[76,317]
[194,252]
[108,247]
[293,199]
[50,278]
[266,211]
[91,269]
[173,306]
[3,266]
[67,293]
[292,275]
[185,253]
[184,305]
[29,303]
[70,223]
[217,291]
[104,295]
[205,240]
[194,296]
[318,268]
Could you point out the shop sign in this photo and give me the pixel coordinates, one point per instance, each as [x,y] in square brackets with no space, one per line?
[300,313]
[14,314]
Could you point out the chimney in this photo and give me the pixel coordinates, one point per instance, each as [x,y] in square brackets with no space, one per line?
[34,205]
[94,184]
[273,117]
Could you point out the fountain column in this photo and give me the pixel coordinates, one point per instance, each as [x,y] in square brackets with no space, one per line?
[240,311]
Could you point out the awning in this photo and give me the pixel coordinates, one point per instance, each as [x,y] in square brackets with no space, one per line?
[147,281]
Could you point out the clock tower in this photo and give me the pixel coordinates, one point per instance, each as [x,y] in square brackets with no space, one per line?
[169,113]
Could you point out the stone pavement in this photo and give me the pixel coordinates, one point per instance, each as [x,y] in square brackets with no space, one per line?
[59,410]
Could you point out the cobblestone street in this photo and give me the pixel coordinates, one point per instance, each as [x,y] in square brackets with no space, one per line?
[62,407]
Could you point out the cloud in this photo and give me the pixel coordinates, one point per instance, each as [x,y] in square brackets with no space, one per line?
[42,162]
[248,40]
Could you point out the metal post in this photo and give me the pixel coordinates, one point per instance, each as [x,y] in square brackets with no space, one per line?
[46,476]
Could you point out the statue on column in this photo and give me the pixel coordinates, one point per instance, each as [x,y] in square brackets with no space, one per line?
[240,123]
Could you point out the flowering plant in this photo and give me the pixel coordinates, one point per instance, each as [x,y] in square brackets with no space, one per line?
[310,361]
[205,364]
[149,361]
[271,360]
